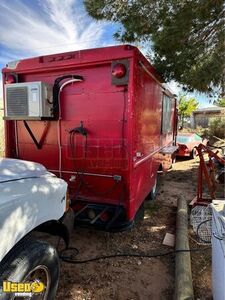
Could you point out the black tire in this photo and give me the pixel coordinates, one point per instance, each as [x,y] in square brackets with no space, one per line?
[139,217]
[26,258]
[153,193]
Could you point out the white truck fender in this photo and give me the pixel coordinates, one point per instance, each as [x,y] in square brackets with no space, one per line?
[29,196]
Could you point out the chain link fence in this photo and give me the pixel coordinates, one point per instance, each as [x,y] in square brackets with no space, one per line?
[2,136]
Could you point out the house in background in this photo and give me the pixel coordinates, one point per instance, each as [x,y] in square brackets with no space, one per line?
[202,116]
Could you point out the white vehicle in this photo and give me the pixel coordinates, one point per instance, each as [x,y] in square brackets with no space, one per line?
[31,199]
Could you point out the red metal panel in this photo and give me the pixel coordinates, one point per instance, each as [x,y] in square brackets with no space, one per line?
[147,109]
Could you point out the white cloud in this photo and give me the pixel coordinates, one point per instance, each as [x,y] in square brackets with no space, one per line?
[57,26]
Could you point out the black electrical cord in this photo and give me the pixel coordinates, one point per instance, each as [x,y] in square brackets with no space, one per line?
[125,255]
[56,89]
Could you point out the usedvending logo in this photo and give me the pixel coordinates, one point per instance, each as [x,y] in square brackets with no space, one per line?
[22,289]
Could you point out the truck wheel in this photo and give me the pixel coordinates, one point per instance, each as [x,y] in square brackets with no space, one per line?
[31,261]
[152,194]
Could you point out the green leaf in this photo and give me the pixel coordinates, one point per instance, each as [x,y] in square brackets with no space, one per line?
[185,38]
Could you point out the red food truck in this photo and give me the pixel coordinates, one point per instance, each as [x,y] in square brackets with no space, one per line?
[101,119]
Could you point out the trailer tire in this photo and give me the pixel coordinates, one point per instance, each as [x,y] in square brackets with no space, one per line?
[153,193]
[139,217]
[31,260]
[193,154]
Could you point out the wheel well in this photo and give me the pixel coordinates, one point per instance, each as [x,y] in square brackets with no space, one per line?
[55,228]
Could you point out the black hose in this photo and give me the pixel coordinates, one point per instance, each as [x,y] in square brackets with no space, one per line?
[126,255]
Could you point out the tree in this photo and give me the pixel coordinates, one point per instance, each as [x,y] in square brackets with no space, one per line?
[220,102]
[186,108]
[185,38]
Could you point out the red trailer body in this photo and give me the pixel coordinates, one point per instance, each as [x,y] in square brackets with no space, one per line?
[114,130]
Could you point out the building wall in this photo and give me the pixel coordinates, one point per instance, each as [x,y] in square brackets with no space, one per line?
[203,118]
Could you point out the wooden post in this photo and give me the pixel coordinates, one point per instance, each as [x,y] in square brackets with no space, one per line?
[183,276]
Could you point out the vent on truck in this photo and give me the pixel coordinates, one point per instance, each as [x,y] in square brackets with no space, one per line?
[17,101]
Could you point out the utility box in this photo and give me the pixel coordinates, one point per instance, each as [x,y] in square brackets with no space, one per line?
[28,101]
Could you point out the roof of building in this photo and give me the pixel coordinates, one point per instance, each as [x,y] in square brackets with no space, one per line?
[208,110]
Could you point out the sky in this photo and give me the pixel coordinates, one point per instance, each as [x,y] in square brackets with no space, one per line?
[31,28]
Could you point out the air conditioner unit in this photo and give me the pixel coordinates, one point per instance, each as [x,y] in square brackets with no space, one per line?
[28,101]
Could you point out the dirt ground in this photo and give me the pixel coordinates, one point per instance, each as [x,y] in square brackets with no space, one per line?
[137,278]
